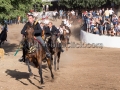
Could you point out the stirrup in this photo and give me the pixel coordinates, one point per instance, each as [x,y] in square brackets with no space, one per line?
[48,55]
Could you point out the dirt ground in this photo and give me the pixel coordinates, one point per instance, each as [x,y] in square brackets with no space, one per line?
[80,68]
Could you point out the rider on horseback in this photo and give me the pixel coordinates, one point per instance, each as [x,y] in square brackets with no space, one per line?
[50,30]
[4,30]
[37,31]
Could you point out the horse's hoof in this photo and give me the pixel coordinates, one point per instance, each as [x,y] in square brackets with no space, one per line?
[42,82]
[52,76]
[57,68]
[31,75]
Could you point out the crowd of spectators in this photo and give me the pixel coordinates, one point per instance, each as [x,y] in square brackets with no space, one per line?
[102,22]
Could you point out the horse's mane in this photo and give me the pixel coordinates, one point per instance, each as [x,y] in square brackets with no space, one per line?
[29,25]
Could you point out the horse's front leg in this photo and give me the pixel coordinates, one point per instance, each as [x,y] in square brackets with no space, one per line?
[40,71]
[29,69]
[50,67]
[51,60]
[55,56]
[58,60]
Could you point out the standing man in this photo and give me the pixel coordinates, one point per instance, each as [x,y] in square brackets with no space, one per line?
[61,13]
[18,19]
[107,13]
[37,31]
[111,13]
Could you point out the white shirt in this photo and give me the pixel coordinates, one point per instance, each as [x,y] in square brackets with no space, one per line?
[54,13]
[65,22]
[100,11]
[50,29]
[47,6]
[111,12]
[69,25]
[39,21]
[46,21]
[73,13]
[61,30]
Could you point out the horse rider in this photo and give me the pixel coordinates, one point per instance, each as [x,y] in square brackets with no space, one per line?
[50,30]
[61,28]
[37,31]
[4,28]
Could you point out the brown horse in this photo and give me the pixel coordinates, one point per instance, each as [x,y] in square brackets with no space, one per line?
[65,37]
[71,17]
[35,53]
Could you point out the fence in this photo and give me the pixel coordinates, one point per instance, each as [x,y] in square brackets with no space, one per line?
[106,41]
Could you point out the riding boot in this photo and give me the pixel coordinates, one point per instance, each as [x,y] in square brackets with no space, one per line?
[61,47]
[47,52]
[22,59]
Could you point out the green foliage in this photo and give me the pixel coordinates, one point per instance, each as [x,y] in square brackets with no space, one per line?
[117,2]
[86,3]
[14,8]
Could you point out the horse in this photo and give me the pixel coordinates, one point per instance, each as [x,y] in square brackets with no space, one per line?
[65,37]
[35,53]
[54,48]
[3,36]
[72,17]
[55,17]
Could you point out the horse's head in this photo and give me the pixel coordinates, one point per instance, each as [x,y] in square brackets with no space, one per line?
[54,40]
[29,33]
[29,39]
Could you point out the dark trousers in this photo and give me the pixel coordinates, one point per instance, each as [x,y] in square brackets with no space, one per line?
[110,16]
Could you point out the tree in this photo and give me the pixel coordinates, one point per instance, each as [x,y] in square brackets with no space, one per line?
[86,3]
[14,8]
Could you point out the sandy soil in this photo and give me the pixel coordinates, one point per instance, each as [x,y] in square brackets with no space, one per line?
[80,68]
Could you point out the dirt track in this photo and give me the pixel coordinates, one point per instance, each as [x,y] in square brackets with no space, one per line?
[80,68]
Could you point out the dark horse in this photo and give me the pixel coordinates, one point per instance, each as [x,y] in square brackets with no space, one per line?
[35,53]
[3,35]
[54,48]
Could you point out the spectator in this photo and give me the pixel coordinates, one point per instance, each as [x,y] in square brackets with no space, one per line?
[95,31]
[107,13]
[111,13]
